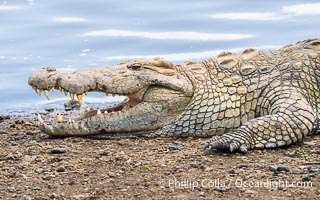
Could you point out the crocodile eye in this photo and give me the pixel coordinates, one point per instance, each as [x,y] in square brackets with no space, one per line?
[135,66]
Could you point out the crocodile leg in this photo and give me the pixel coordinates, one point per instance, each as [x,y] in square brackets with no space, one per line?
[290,119]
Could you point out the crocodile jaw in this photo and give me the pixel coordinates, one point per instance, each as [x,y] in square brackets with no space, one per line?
[137,113]
[143,117]
[154,100]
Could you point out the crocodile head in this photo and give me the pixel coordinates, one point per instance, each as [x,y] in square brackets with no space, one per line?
[157,91]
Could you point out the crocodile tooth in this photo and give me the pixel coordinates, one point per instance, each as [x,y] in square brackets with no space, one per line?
[65,92]
[54,113]
[69,121]
[40,118]
[38,91]
[72,96]
[79,96]
[99,112]
[35,89]
[113,95]
[72,121]
[86,93]
[52,88]
[60,118]
[46,93]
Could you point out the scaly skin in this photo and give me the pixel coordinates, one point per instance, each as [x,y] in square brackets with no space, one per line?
[253,100]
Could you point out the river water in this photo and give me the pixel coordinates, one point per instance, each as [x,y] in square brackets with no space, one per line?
[78,34]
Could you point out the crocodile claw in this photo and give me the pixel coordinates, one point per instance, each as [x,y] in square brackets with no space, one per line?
[225,143]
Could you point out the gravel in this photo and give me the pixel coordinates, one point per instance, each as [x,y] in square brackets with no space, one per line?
[36,166]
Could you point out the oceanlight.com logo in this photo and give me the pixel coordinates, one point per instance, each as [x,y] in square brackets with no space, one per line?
[238,183]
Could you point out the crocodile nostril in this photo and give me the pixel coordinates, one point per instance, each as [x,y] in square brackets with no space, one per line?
[135,66]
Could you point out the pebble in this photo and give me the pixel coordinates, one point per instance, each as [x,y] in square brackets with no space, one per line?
[306,178]
[313,169]
[50,109]
[4,132]
[250,191]
[137,164]
[208,169]
[279,168]
[111,174]
[81,197]
[25,198]
[283,168]
[103,153]
[60,169]
[36,188]
[39,170]
[174,148]
[202,194]
[53,196]
[2,118]
[233,171]
[19,121]
[194,165]
[31,132]
[273,168]
[86,174]
[223,189]
[296,171]
[72,105]
[310,143]
[243,165]
[57,150]
[194,154]
[11,189]
[146,163]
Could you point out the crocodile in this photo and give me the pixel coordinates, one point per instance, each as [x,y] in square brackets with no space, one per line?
[254,99]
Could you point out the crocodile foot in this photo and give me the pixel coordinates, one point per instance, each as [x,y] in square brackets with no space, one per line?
[226,143]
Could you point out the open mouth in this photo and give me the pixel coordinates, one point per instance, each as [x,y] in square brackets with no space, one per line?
[130,101]
[141,111]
